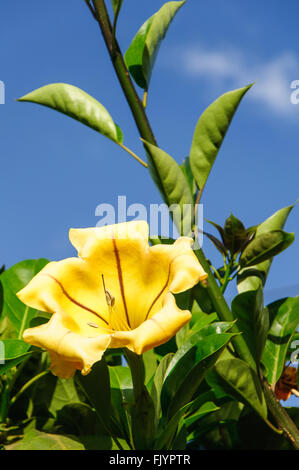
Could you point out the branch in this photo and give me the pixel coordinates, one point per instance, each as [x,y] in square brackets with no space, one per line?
[122,73]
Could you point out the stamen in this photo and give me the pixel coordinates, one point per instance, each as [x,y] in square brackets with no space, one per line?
[110,300]
[94,325]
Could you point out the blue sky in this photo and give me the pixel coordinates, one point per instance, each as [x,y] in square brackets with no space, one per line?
[55,171]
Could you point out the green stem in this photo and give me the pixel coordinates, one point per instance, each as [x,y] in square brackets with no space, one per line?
[114,26]
[136,365]
[27,385]
[122,73]
[143,411]
[224,312]
[226,278]
[5,397]
[216,273]
[281,416]
[133,154]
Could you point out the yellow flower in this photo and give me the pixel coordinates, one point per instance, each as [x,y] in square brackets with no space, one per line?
[117,293]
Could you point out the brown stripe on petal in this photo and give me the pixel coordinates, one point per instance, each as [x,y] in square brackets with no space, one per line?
[159,294]
[75,301]
[120,279]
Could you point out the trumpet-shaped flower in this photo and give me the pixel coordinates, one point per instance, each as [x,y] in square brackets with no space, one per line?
[117,293]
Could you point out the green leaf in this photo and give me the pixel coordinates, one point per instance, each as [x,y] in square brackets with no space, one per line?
[190,364]
[12,353]
[218,430]
[142,52]
[37,440]
[210,132]
[122,397]
[203,300]
[158,383]
[284,324]
[235,234]
[150,361]
[65,393]
[265,246]
[170,428]
[186,169]
[173,186]
[13,280]
[253,320]
[116,5]
[199,321]
[1,297]
[217,243]
[96,387]
[242,382]
[79,105]
[253,277]
[206,408]
[143,421]
[219,228]
[77,419]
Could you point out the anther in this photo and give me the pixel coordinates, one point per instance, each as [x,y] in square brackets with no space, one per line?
[110,300]
[94,325]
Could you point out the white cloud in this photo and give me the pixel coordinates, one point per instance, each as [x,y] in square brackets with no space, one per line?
[273,77]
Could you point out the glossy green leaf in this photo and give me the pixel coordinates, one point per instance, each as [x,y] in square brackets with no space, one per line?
[37,440]
[79,419]
[235,234]
[182,335]
[203,300]
[77,104]
[199,321]
[284,324]
[168,431]
[122,397]
[242,381]
[214,426]
[189,366]
[13,280]
[143,421]
[186,169]
[96,387]
[142,52]
[158,382]
[174,189]
[150,362]
[206,408]
[12,353]
[1,297]
[210,132]
[253,320]
[219,228]
[217,243]
[265,246]
[65,393]
[253,277]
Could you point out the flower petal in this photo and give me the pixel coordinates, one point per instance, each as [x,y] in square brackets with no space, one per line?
[89,241]
[158,329]
[137,275]
[185,269]
[68,351]
[73,287]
